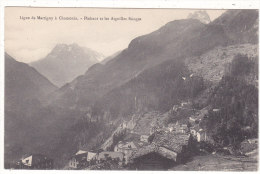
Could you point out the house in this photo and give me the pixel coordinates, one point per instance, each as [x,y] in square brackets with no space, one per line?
[195,119]
[123,125]
[202,135]
[192,119]
[175,108]
[198,133]
[198,116]
[183,128]
[144,138]
[127,148]
[253,141]
[73,163]
[36,161]
[81,152]
[107,155]
[166,150]
[170,129]
[76,159]
[178,128]
[149,158]
[184,103]
[216,110]
[81,159]
[193,132]
[248,146]
[131,124]
[91,156]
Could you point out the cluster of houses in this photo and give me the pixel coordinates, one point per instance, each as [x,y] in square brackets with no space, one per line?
[121,154]
[160,148]
[35,161]
[196,131]
[165,150]
[83,159]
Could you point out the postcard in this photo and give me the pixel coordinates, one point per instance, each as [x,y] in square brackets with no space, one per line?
[149,89]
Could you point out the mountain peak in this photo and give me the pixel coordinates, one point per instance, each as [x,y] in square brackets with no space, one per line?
[76,49]
[63,45]
[201,16]
[67,48]
[65,62]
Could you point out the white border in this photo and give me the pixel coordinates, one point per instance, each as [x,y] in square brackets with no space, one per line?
[200,4]
[194,4]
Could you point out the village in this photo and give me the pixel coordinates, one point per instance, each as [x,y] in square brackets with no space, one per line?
[142,143]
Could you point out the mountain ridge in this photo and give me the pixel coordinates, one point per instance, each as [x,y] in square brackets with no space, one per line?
[22,75]
[25,90]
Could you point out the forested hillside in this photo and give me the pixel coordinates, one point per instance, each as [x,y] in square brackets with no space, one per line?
[238,104]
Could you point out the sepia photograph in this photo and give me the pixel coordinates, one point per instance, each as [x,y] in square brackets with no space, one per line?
[146,89]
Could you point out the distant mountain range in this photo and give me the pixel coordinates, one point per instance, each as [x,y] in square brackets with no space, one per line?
[173,64]
[66,62]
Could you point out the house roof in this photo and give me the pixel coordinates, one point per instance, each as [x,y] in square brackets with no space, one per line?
[81,152]
[129,145]
[81,155]
[112,155]
[134,145]
[144,151]
[167,153]
[166,144]
[171,141]
[153,148]
[132,137]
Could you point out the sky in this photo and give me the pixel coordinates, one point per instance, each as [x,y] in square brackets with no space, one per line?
[28,40]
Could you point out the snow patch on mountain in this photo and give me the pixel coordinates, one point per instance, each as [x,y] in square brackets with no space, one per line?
[202,16]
